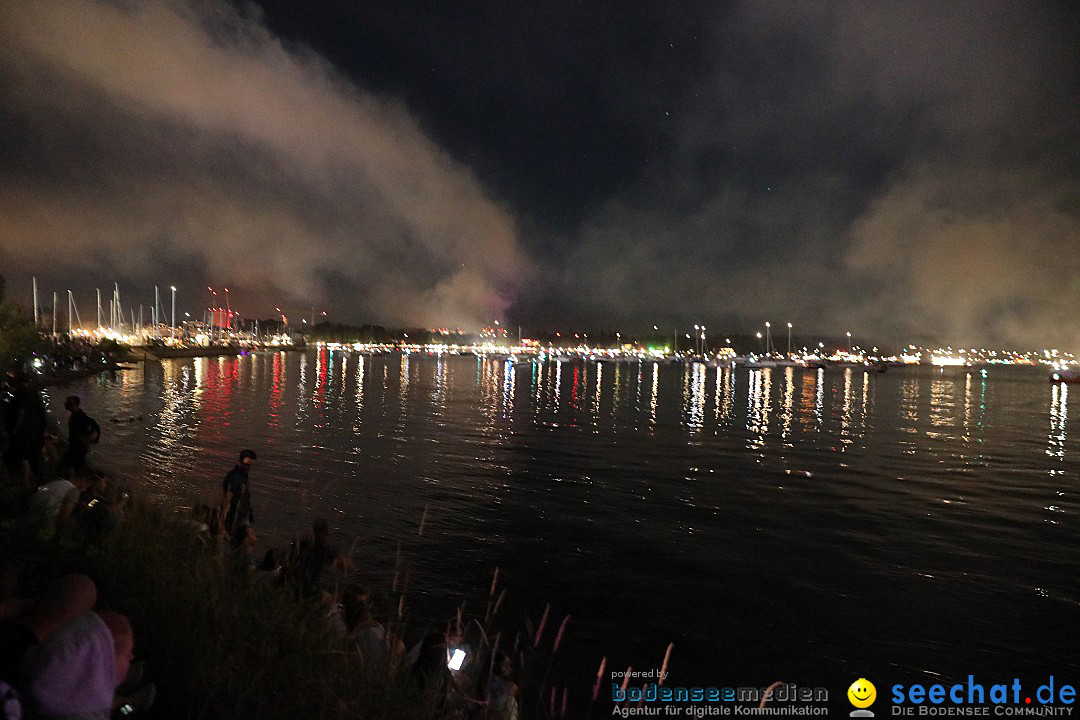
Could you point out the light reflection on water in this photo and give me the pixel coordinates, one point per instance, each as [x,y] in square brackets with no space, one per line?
[1059,413]
[770,509]
[788,402]
[759,402]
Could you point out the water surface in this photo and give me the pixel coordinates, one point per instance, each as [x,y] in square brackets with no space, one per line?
[810,526]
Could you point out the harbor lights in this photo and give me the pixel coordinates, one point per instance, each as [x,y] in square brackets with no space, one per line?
[789,340]
[759,341]
[173,332]
[849,346]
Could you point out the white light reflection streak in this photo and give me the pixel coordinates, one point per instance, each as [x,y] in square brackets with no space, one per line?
[789,402]
[599,388]
[819,398]
[301,398]
[729,395]
[197,380]
[654,393]
[806,399]
[616,389]
[717,392]
[359,393]
[696,410]
[845,414]
[404,379]
[865,401]
[942,407]
[344,373]
[759,405]
[437,392]
[967,408]
[558,384]
[539,373]
[1059,395]
[170,429]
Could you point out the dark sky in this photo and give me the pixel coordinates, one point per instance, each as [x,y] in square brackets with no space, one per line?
[899,169]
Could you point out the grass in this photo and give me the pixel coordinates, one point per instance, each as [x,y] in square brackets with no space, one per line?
[219,644]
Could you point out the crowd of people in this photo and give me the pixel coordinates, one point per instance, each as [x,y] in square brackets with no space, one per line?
[72,353]
[62,656]
[312,567]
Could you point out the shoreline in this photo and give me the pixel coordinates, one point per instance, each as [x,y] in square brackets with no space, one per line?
[221,641]
[145,353]
[82,374]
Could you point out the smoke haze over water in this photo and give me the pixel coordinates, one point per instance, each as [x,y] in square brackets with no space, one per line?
[906,170]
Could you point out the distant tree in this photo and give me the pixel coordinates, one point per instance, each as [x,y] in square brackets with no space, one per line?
[18,336]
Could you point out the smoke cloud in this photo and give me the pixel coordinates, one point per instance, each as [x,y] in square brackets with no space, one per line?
[905,171]
[171,142]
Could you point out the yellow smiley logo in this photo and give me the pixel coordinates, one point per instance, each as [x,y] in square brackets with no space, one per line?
[862,693]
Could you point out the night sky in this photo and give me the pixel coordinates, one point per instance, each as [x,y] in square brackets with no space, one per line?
[903,170]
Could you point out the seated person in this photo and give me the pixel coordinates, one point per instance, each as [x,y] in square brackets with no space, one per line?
[314,556]
[65,659]
[54,502]
[502,690]
[95,512]
[65,599]
[378,649]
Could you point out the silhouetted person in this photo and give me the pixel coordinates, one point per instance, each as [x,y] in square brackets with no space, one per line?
[24,424]
[97,513]
[83,431]
[236,511]
[316,555]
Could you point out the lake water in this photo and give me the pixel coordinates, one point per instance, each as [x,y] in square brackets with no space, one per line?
[811,526]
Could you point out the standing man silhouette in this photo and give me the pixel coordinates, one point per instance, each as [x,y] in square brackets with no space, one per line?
[236,511]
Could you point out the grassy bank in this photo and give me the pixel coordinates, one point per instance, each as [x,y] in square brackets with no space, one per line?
[223,644]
